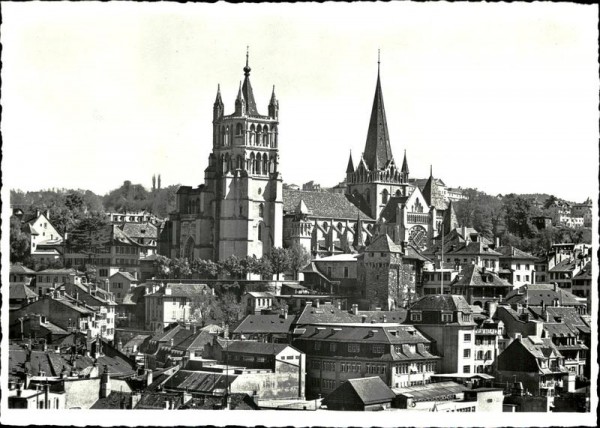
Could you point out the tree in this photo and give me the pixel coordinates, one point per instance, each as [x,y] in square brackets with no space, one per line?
[203,308]
[518,213]
[280,260]
[229,310]
[162,267]
[232,266]
[204,268]
[180,267]
[91,273]
[249,264]
[19,243]
[550,201]
[298,258]
[264,268]
[90,235]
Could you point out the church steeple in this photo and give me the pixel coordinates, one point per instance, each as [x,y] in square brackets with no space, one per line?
[350,167]
[274,105]
[405,165]
[247,90]
[218,107]
[378,151]
[240,105]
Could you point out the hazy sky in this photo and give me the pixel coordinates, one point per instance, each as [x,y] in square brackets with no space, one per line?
[502,97]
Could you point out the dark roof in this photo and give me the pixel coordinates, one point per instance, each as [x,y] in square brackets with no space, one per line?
[585,272]
[237,401]
[536,294]
[265,324]
[383,243]
[126,275]
[157,400]
[540,348]
[473,275]
[195,341]
[378,151]
[250,347]
[396,316]
[568,265]
[196,381]
[115,400]
[20,291]
[432,391]
[389,211]
[441,302]
[325,314]
[323,204]
[508,251]
[140,230]
[365,333]
[369,390]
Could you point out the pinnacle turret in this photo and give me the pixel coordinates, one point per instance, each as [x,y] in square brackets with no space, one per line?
[350,167]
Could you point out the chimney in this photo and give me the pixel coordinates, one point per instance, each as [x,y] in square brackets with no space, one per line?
[338,304]
[555,287]
[285,312]
[149,377]
[497,242]
[226,331]
[355,309]
[46,396]
[172,342]
[364,318]
[105,383]
[37,212]
[317,303]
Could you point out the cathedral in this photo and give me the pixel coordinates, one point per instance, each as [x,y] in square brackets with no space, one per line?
[242,208]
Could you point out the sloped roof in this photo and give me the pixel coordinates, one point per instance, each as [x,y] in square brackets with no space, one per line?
[254,324]
[511,252]
[18,268]
[126,275]
[432,391]
[325,314]
[568,265]
[383,243]
[369,390]
[140,230]
[250,347]
[585,272]
[184,290]
[536,294]
[20,291]
[195,341]
[367,333]
[540,348]
[433,195]
[441,302]
[378,151]
[323,204]
[396,316]
[136,341]
[474,275]
[479,247]
[196,381]
[388,214]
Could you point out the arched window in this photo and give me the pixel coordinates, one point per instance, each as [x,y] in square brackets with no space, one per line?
[385,196]
[265,136]
[223,136]
[260,231]
[368,196]
[261,210]
[265,164]
[325,226]
[398,193]
[251,163]
[258,164]
[238,129]
[251,135]
[226,142]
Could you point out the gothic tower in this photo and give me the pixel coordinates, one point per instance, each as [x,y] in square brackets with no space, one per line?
[239,208]
[376,177]
[244,180]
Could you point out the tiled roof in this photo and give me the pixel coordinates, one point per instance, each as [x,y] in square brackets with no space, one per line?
[473,275]
[196,381]
[378,152]
[585,272]
[250,347]
[140,230]
[433,195]
[115,400]
[323,204]
[536,294]
[432,391]
[126,275]
[365,333]
[441,302]
[262,294]
[20,291]
[325,314]
[397,316]
[195,341]
[511,252]
[156,400]
[254,324]
[540,348]
[369,390]
[479,248]
[568,265]
[388,214]
[237,401]
[18,268]
[184,290]
[383,243]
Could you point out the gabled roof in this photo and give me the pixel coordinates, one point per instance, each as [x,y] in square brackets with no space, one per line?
[255,324]
[441,302]
[128,276]
[378,151]
[21,291]
[433,194]
[183,290]
[474,275]
[536,294]
[368,390]
[585,272]
[140,230]
[195,341]
[540,348]
[195,381]
[383,243]
[325,314]
[19,269]
[323,204]
[568,265]
[261,294]
[511,252]
[396,316]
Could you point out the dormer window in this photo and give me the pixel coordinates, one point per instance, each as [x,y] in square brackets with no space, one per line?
[447,317]
[416,316]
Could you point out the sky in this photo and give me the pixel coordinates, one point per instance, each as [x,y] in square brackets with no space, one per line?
[501,97]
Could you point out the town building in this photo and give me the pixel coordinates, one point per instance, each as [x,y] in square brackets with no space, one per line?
[19,295]
[480,286]
[335,353]
[516,266]
[51,278]
[173,303]
[120,284]
[19,274]
[275,327]
[145,234]
[254,302]
[43,236]
[447,321]
[582,285]
[362,394]
[545,295]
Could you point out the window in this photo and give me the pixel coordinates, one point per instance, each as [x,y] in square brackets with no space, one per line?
[466,353]
[378,348]
[446,317]
[333,346]
[317,346]
[518,277]
[354,347]
[466,369]
[261,210]
[467,337]
[415,316]
[527,266]
[346,272]
[527,278]
[518,265]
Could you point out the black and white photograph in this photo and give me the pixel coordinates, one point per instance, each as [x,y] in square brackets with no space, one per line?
[299,214]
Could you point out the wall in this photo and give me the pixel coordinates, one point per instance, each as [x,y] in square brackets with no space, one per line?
[81,393]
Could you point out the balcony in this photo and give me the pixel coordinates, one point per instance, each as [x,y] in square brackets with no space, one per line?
[418,218]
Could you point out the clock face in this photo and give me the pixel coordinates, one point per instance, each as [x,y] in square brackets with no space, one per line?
[417,236]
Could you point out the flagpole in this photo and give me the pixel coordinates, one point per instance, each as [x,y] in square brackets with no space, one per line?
[442,262]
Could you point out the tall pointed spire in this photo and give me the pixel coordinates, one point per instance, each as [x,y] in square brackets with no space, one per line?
[378,151]
[240,102]
[405,165]
[218,107]
[247,88]
[218,100]
[350,167]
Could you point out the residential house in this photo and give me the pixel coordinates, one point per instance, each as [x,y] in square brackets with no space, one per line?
[335,353]
[447,321]
[51,278]
[266,327]
[516,266]
[254,302]
[43,237]
[546,295]
[173,303]
[582,284]
[333,274]
[120,284]
[362,394]
[20,274]
[537,364]
[145,234]
[19,295]
[480,285]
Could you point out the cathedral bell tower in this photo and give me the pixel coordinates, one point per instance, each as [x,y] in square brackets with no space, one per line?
[376,177]
[243,176]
